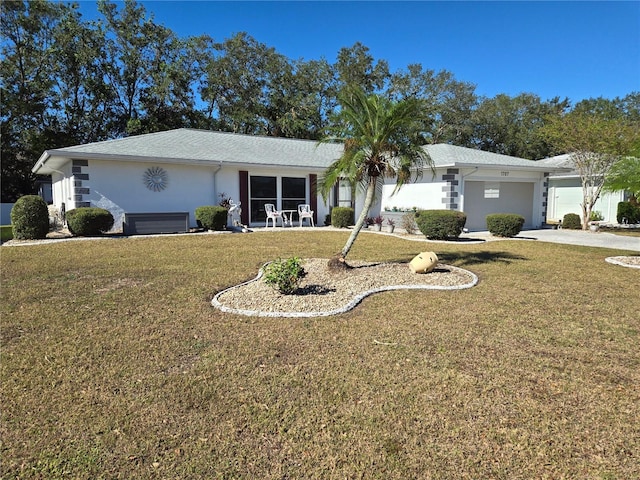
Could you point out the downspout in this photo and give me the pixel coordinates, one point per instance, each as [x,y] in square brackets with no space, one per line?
[215,188]
[64,197]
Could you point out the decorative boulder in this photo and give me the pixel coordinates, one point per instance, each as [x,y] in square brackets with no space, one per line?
[424,262]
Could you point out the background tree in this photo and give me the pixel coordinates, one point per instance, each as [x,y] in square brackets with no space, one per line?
[307,97]
[595,142]
[624,176]
[28,117]
[355,66]
[448,102]
[512,125]
[381,139]
[83,100]
[148,70]
[238,81]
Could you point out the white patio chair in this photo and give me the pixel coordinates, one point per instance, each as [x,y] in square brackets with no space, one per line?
[272,214]
[304,211]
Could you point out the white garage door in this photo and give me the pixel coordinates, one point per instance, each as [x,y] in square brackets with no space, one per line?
[483,198]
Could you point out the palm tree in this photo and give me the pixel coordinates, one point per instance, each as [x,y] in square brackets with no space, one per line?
[381,139]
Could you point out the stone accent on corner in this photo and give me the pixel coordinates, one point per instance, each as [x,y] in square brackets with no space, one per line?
[450,191]
[80,168]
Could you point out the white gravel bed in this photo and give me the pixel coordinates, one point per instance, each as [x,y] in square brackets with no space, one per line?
[631,262]
[323,293]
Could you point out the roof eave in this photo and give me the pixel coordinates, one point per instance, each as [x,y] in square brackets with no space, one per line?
[539,168]
[49,154]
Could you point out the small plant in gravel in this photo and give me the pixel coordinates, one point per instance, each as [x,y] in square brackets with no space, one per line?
[285,275]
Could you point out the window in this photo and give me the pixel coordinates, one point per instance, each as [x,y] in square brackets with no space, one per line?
[343,193]
[293,192]
[491,189]
[262,190]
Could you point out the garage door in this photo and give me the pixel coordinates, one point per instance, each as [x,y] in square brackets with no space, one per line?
[483,198]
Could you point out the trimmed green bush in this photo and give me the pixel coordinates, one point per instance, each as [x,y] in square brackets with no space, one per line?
[504,224]
[628,211]
[342,217]
[285,275]
[212,217]
[441,224]
[6,233]
[89,221]
[571,221]
[30,218]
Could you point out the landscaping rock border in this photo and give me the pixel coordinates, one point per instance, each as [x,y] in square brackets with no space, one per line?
[322,290]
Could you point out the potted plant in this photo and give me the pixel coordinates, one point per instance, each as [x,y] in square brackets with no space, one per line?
[392,224]
[377,222]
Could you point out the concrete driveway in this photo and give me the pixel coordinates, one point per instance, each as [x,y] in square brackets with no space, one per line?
[572,237]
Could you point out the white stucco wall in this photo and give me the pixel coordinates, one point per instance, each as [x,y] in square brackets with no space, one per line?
[521,192]
[565,196]
[119,188]
[424,195]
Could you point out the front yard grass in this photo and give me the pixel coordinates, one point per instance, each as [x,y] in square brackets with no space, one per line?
[115,365]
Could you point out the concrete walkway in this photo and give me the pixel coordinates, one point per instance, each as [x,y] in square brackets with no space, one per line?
[571,237]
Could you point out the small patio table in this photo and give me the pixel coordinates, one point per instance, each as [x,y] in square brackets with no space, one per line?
[287,217]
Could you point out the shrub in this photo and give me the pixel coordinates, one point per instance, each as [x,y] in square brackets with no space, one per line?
[441,224]
[629,212]
[213,217]
[408,223]
[504,224]
[88,221]
[285,275]
[342,217]
[596,216]
[572,221]
[30,218]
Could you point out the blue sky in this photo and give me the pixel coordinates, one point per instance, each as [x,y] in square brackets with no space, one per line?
[567,49]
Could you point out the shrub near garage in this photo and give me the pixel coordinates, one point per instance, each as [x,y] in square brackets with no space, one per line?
[504,224]
[441,224]
[212,217]
[571,221]
[88,221]
[342,217]
[30,218]
[629,212]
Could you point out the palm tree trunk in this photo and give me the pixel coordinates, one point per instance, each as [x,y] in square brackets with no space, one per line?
[368,202]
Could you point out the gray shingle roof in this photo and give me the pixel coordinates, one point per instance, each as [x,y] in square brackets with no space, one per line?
[452,155]
[561,161]
[204,146]
[208,147]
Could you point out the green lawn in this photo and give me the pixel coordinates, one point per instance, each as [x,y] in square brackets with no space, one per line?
[114,365]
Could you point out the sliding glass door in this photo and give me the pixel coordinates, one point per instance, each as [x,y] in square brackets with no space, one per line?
[286,193]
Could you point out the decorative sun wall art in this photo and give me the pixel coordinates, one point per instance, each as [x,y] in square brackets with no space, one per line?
[156,178]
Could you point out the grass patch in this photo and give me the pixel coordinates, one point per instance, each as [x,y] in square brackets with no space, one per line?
[629,232]
[114,365]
